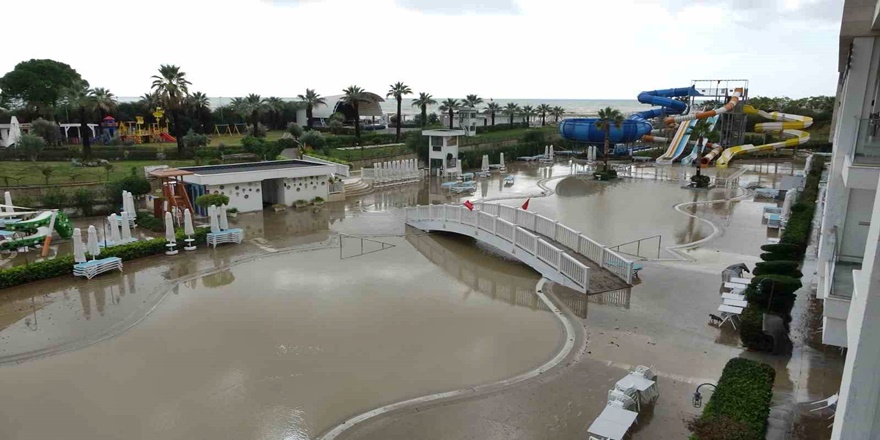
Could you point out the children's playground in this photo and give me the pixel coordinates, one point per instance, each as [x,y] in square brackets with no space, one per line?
[137,131]
[724,104]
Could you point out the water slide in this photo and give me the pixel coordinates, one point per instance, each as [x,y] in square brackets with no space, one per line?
[788,124]
[697,150]
[634,127]
[167,137]
[678,144]
[734,99]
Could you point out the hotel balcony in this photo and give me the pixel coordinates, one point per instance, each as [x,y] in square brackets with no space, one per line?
[862,168]
[838,291]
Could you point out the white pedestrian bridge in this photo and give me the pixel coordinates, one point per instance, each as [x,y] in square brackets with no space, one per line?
[557,252]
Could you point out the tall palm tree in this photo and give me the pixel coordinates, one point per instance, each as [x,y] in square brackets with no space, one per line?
[527,112]
[311,99]
[511,109]
[608,117]
[492,108]
[397,90]
[450,106]
[701,130]
[172,88]
[103,100]
[275,107]
[543,109]
[252,105]
[557,113]
[198,103]
[80,98]
[422,102]
[472,101]
[355,96]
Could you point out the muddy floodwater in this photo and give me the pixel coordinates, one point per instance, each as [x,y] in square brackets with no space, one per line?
[286,346]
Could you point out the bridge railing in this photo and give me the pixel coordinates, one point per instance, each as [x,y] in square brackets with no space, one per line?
[520,227]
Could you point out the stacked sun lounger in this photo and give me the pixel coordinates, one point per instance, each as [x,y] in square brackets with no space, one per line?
[92,268]
[624,403]
[234,235]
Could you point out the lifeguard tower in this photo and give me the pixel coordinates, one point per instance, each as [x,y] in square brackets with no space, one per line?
[443,151]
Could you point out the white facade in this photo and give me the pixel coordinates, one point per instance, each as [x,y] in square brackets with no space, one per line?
[251,185]
[443,151]
[849,278]
[467,119]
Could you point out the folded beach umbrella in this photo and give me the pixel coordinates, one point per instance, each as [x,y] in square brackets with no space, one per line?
[92,244]
[79,248]
[114,229]
[224,222]
[212,216]
[169,228]
[126,228]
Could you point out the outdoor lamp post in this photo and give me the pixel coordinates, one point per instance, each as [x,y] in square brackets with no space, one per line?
[698,398]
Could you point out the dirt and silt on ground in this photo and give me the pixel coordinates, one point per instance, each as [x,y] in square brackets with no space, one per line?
[285,336]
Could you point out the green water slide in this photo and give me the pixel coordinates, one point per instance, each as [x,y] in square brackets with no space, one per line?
[37,228]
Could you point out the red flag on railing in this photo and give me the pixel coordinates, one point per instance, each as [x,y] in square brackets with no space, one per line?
[525,205]
[469,205]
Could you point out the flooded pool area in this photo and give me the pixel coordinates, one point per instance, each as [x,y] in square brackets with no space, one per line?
[325,313]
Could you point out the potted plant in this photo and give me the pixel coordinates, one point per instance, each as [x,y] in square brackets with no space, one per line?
[317,201]
[301,203]
[232,212]
[277,207]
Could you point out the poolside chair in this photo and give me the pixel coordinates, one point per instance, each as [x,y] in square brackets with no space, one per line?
[645,372]
[624,400]
[830,402]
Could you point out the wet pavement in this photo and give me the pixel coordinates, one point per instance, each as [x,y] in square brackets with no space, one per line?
[290,333]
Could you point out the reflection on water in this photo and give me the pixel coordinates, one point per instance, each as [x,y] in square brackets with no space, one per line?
[500,279]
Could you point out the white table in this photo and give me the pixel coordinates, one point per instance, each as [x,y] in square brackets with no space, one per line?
[728,313]
[741,280]
[641,385]
[736,303]
[613,423]
[733,296]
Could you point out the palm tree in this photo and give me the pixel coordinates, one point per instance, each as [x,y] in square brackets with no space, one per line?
[83,99]
[511,109]
[608,117]
[172,88]
[492,108]
[543,109]
[450,106]
[557,113]
[252,105]
[354,96]
[527,112]
[701,130]
[397,90]
[472,101]
[198,103]
[275,107]
[422,102]
[103,100]
[311,99]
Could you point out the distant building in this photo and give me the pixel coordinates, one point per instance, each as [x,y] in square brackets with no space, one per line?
[467,119]
[443,151]
[849,255]
[321,114]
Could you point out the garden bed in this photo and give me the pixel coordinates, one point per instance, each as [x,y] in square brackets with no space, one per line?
[740,405]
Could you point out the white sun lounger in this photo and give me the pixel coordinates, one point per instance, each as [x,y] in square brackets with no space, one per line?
[736,303]
[733,296]
[729,313]
[613,423]
[234,235]
[740,280]
[93,268]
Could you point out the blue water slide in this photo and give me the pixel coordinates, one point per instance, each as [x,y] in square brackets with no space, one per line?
[634,127]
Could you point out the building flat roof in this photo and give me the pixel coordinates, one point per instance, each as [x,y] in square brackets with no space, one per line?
[443,132]
[250,166]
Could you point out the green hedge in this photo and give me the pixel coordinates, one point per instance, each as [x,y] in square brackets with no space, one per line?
[781,249]
[63,265]
[776,293]
[782,267]
[743,395]
[800,223]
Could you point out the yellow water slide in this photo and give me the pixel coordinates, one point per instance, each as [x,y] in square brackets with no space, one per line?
[787,124]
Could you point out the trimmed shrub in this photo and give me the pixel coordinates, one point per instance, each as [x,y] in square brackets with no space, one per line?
[776,293]
[48,130]
[84,200]
[313,139]
[700,181]
[742,396]
[54,198]
[147,221]
[294,129]
[194,140]
[207,200]
[32,145]
[605,175]
[772,256]
[783,267]
[783,249]
[718,428]
[751,329]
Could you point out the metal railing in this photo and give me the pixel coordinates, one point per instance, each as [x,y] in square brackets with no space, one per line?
[867,149]
[524,229]
[638,244]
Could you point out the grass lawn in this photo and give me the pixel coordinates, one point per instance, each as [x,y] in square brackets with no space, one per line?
[499,136]
[230,141]
[30,173]
[367,153]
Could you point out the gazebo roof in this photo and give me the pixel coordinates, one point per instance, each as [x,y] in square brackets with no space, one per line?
[169,172]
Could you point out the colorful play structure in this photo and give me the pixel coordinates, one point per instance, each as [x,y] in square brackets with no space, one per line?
[675,117]
[141,132]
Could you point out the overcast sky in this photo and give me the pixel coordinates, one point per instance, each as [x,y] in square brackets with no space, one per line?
[495,48]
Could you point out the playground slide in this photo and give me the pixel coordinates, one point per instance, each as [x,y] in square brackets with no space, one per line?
[734,99]
[788,124]
[167,137]
[634,127]
[38,237]
[62,224]
[696,151]
[678,144]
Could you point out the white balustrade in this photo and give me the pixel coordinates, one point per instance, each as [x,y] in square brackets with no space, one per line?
[574,270]
[567,236]
[617,264]
[545,227]
[526,219]
[469,217]
[507,213]
[486,221]
[548,253]
[526,241]
[504,229]
[590,249]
